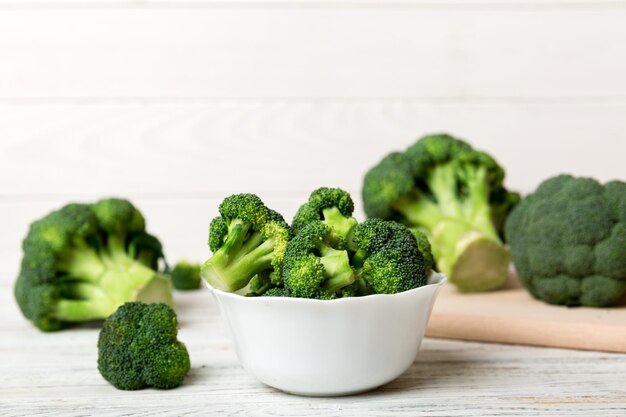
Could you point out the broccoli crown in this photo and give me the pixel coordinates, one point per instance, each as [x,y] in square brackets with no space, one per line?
[84,260]
[137,348]
[387,260]
[455,195]
[388,257]
[568,241]
[186,276]
[313,267]
[332,206]
[277,292]
[247,239]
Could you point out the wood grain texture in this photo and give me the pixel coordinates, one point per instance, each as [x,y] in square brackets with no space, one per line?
[313,52]
[278,147]
[55,374]
[511,315]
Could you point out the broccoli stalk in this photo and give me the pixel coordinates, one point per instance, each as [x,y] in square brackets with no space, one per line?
[337,269]
[452,193]
[101,282]
[83,261]
[247,239]
[464,239]
[240,258]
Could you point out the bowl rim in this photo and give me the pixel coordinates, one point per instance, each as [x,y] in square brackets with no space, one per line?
[435,279]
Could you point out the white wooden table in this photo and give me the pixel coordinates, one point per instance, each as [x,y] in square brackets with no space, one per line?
[55,374]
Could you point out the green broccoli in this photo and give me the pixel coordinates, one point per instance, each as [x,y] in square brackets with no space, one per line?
[313,267]
[387,260]
[332,206]
[137,348]
[247,240]
[453,193]
[277,292]
[186,276]
[424,247]
[83,261]
[568,241]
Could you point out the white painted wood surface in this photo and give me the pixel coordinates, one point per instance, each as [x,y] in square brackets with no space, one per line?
[285,51]
[176,103]
[55,374]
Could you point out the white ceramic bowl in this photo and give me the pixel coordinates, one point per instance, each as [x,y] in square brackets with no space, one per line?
[328,348]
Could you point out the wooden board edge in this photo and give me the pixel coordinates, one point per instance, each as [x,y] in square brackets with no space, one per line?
[528,332]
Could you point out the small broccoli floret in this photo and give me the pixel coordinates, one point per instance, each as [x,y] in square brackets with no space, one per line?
[186,276]
[388,257]
[247,239]
[313,267]
[454,194]
[83,261]
[137,348]
[332,206]
[424,246]
[277,292]
[568,241]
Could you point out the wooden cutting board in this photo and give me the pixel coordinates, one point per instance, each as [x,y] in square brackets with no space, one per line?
[511,315]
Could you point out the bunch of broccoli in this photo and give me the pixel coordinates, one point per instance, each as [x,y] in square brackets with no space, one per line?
[83,261]
[568,241]
[325,254]
[454,194]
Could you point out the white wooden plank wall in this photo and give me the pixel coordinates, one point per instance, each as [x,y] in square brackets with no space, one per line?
[177,103]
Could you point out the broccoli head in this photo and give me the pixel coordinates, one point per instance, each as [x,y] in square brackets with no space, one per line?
[186,276]
[313,267]
[137,348]
[388,258]
[83,261]
[568,241]
[332,206]
[247,239]
[454,194]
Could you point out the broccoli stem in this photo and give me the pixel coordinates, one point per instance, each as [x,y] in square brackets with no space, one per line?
[341,225]
[240,258]
[122,280]
[464,240]
[338,271]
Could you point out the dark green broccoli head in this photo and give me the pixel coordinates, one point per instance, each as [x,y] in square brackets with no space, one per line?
[453,193]
[186,275]
[334,207]
[247,239]
[313,267]
[388,256]
[84,260]
[568,241]
[277,292]
[137,348]
[387,183]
